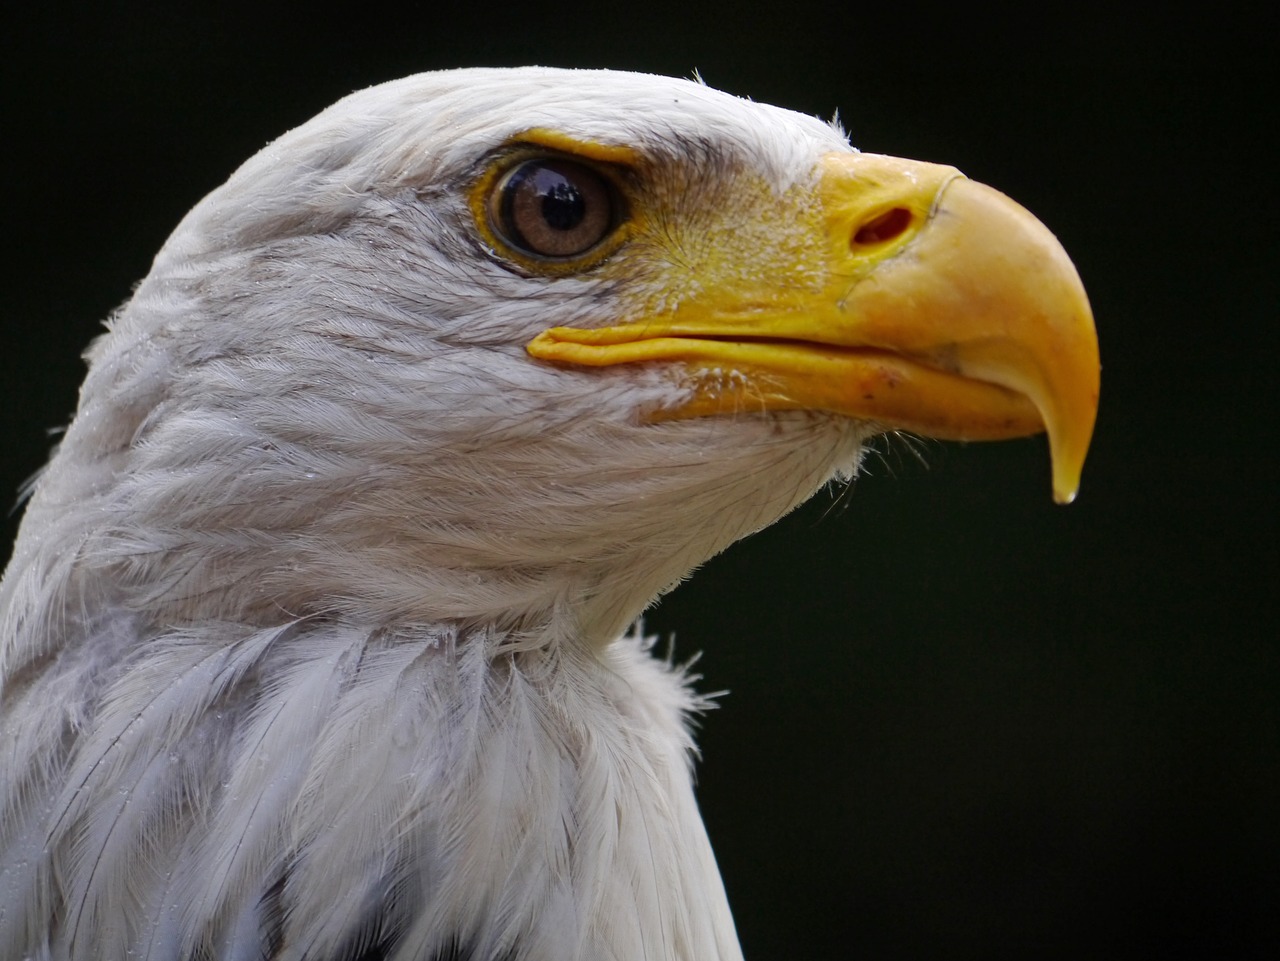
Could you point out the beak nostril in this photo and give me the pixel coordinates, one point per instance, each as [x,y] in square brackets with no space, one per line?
[886,226]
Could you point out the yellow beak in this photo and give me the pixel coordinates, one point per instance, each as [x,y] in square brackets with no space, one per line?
[940,307]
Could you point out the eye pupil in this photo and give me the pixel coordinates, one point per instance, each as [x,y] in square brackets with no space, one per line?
[553,209]
[563,207]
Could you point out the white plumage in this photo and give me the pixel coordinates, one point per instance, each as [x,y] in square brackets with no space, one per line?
[313,640]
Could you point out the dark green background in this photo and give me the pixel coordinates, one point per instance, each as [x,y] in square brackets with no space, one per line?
[964,723]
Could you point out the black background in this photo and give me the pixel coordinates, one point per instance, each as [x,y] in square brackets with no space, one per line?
[964,723]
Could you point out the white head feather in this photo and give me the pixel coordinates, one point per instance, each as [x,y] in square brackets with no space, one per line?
[310,639]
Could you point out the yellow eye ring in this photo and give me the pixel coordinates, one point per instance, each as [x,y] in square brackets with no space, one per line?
[551,211]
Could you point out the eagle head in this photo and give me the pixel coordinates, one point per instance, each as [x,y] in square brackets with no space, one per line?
[407,422]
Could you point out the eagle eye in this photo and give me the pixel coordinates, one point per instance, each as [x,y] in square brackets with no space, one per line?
[553,209]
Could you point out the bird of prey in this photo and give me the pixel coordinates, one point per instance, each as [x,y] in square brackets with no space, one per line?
[315,642]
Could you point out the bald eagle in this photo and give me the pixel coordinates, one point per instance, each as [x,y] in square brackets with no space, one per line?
[315,638]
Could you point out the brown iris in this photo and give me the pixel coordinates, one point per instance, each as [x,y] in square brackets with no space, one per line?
[553,208]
